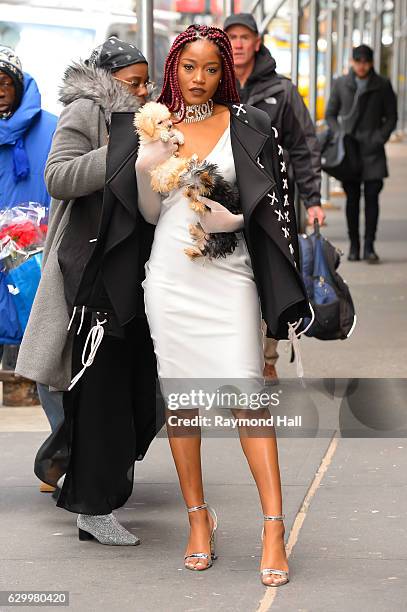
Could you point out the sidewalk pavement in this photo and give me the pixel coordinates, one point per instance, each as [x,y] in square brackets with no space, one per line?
[345,499]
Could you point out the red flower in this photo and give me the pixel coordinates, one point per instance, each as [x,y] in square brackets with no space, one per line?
[23,234]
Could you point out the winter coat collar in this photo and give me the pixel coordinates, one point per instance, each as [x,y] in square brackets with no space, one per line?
[264,80]
[19,123]
[374,82]
[81,81]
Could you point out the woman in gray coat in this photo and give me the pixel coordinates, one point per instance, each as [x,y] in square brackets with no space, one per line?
[100,450]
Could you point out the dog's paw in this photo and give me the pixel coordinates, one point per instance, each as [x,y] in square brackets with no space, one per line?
[197,206]
[193,252]
[179,136]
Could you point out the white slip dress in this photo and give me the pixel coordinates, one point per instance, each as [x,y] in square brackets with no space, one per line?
[204,315]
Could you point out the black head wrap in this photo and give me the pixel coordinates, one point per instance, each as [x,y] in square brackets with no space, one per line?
[115,54]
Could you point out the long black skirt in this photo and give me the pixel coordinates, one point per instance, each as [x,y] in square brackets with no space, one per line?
[111,416]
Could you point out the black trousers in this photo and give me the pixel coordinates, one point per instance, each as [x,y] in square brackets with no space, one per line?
[111,416]
[371,192]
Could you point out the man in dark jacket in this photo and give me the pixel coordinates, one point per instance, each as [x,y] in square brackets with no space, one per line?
[364,104]
[259,85]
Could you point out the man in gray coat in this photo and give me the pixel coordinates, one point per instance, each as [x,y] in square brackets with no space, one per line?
[364,104]
[260,85]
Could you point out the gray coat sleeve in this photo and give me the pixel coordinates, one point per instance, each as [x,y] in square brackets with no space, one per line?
[74,167]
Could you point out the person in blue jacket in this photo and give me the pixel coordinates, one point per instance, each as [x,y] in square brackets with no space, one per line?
[26,132]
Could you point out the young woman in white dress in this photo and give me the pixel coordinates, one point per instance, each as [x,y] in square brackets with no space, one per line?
[204,315]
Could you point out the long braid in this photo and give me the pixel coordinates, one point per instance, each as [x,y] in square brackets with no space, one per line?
[171,94]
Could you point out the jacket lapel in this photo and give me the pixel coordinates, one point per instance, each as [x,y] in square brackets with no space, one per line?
[120,174]
[247,143]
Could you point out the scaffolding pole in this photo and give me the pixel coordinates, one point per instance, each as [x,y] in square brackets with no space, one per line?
[361,22]
[325,185]
[403,68]
[313,57]
[145,32]
[295,33]
[376,31]
[228,7]
[395,68]
[341,38]
[349,37]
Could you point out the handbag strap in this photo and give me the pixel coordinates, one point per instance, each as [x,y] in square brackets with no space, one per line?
[359,95]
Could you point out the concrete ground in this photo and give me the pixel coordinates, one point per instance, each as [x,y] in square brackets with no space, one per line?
[345,498]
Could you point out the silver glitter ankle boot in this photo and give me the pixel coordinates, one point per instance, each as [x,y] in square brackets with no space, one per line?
[106,529]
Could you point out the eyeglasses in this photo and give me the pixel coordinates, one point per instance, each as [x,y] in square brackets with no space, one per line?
[149,85]
[6,84]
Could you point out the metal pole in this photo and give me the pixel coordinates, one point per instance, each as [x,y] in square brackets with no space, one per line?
[341,37]
[325,186]
[349,38]
[403,67]
[295,34]
[373,26]
[376,21]
[313,57]
[396,46]
[228,7]
[145,31]
[361,23]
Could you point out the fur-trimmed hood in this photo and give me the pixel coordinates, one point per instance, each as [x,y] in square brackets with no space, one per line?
[82,81]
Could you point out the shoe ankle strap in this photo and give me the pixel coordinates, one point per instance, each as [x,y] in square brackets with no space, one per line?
[194,508]
[277,517]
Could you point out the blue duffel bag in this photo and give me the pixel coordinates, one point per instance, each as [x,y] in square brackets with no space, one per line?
[328,293]
[25,280]
[10,328]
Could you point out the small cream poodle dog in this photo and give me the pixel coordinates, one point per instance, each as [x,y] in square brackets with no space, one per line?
[153,122]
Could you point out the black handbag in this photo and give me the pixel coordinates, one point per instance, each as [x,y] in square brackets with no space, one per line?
[340,155]
[340,151]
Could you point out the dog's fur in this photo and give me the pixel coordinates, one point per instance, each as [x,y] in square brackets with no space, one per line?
[152,123]
[204,179]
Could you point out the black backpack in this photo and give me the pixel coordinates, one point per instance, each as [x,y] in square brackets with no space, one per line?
[328,293]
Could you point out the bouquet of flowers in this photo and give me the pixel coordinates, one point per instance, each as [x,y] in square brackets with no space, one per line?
[22,233]
[23,230]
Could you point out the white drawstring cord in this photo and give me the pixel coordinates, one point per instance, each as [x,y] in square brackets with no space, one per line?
[81,323]
[72,318]
[350,332]
[293,339]
[95,336]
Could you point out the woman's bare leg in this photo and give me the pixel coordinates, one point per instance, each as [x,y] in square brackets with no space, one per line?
[262,455]
[185,446]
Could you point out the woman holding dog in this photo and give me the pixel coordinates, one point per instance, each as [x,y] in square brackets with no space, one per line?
[206,321]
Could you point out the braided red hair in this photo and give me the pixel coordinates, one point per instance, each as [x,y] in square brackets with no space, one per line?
[171,94]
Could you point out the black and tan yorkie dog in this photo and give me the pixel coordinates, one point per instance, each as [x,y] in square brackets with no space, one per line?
[204,179]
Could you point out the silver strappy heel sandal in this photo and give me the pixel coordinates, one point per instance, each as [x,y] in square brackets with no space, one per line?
[200,555]
[269,571]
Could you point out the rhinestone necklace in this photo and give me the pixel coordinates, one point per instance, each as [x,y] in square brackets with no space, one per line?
[197,112]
